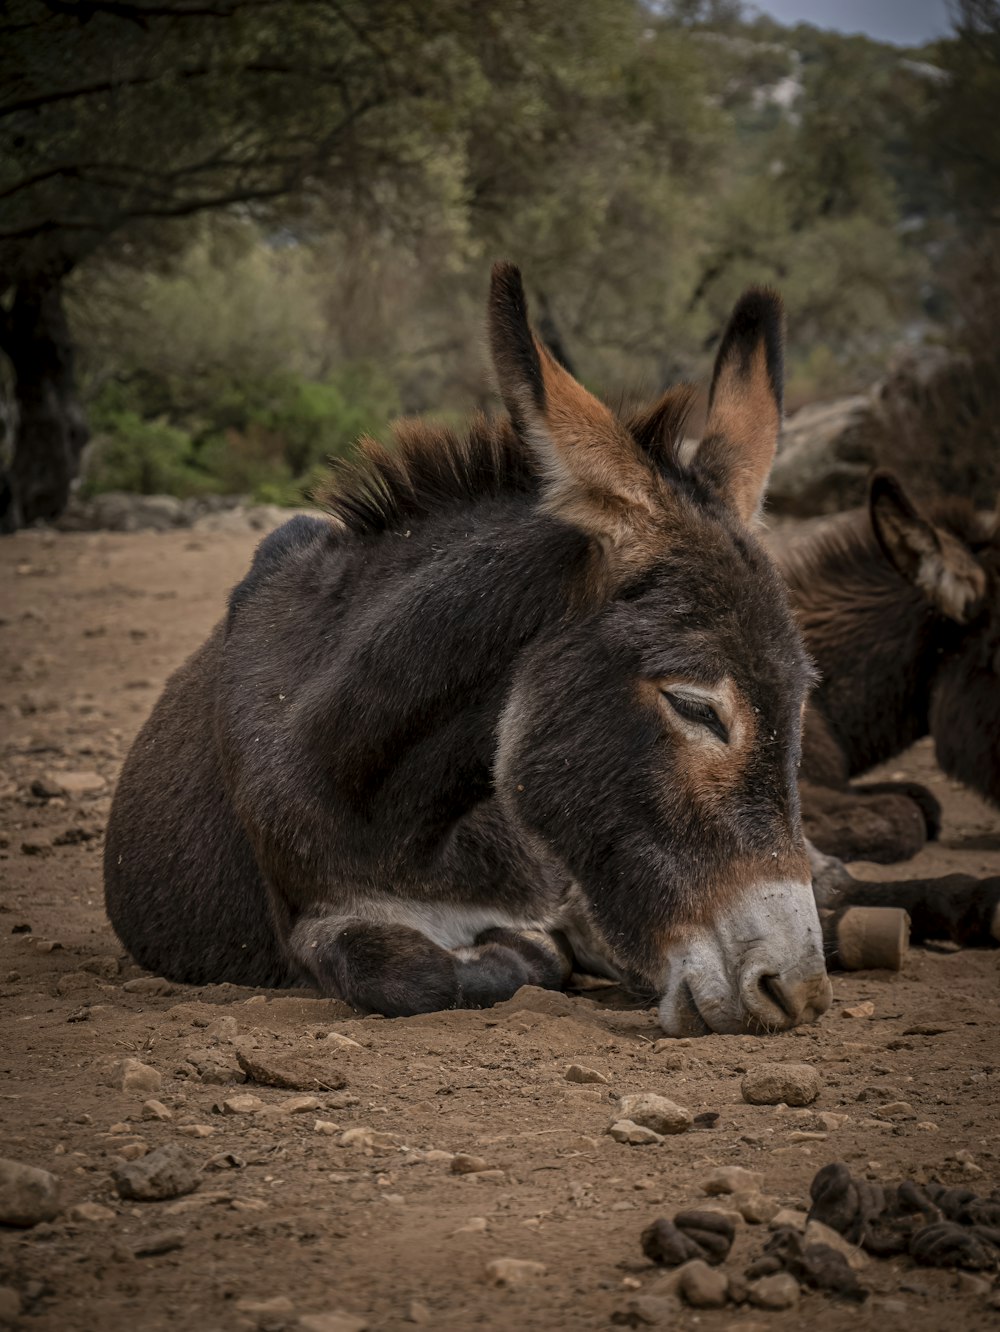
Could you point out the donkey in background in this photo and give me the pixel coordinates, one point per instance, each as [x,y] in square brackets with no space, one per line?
[531,699]
[900,610]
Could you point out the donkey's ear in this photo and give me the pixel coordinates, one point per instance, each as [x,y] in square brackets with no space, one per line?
[594,474]
[936,562]
[745,402]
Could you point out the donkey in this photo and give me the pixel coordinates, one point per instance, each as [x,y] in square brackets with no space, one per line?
[900,610]
[531,699]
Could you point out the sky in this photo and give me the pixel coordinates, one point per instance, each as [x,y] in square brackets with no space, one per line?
[905,22]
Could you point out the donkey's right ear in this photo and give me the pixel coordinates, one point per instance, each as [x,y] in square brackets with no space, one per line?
[929,557]
[745,402]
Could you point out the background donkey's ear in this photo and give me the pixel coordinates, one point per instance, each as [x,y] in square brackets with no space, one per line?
[936,562]
[595,476]
[745,402]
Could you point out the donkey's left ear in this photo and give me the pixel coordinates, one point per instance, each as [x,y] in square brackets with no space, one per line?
[940,565]
[745,402]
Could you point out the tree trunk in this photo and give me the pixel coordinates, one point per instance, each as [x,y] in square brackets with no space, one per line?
[51,429]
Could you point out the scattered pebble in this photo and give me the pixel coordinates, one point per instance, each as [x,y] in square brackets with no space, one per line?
[369,1140]
[513,1272]
[624,1130]
[788,1216]
[755,1208]
[279,1308]
[28,1195]
[326,1126]
[162,1241]
[418,1312]
[865,1009]
[289,1074]
[139,1077]
[897,1110]
[90,1211]
[196,1130]
[243,1103]
[780,1291]
[149,985]
[819,1233]
[332,1322]
[732,1179]
[580,1073]
[156,1110]
[770,1084]
[167,1172]
[830,1122]
[703,1287]
[464,1164]
[655,1112]
[341,1042]
[476,1225]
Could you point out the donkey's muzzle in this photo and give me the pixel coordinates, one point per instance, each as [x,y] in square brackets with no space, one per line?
[758,967]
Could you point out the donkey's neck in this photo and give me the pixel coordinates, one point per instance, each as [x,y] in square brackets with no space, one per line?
[873,636]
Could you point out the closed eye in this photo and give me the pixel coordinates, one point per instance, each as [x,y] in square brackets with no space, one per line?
[698,711]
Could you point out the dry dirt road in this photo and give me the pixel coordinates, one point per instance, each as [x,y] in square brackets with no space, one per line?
[379,1231]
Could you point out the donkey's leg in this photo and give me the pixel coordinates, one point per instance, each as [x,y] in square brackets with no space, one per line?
[854,825]
[926,801]
[398,971]
[958,907]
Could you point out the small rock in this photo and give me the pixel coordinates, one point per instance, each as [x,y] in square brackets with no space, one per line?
[830,1122]
[463,1164]
[818,1233]
[297,1105]
[243,1103]
[580,1073]
[139,1077]
[755,1208]
[341,1042]
[279,1307]
[419,1313]
[162,1241]
[131,1151]
[369,1140]
[476,1225]
[10,1304]
[196,1130]
[865,1009]
[90,1211]
[167,1172]
[156,1110]
[28,1195]
[78,783]
[732,1179]
[151,985]
[513,1272]
[648,1311]
[290,1075]
[655,1112]
[967,1284]
[624,1130]
[332,1322]
[105,967]
[788,1216]
[702,1286]
[770,1084]
[326,1126]
[896,1110]
[780,1291]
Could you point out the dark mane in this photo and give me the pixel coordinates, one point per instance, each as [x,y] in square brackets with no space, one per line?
[431,467]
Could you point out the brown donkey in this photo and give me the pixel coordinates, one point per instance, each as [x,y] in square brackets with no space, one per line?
[530,699]
[900,610]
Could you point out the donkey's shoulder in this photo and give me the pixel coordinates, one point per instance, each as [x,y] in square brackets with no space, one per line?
[274,551]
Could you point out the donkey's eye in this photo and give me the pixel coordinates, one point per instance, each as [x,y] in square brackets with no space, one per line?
[698,711]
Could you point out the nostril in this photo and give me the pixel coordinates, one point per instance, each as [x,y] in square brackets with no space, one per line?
[776,992]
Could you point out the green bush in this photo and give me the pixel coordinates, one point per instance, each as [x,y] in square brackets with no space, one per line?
[266,437]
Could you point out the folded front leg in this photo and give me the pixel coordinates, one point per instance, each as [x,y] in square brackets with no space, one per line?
[397,970]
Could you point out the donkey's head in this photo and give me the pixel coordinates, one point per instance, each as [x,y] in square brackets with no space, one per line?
[651,742]
[954,563]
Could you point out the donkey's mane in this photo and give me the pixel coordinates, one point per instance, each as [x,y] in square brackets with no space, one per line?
[431,467]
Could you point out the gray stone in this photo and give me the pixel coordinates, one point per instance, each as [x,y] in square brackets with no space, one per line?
[780,1291]
[167,1172]
[513,1272]
[636,1135]
[139,1077]
[655,1112]
[702,1286]
[772,1084]
[580,1073]
[27,1195]
[732,1179]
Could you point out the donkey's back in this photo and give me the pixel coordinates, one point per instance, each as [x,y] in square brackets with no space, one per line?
[182,884]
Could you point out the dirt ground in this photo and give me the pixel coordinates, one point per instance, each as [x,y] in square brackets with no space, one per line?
[387,1235]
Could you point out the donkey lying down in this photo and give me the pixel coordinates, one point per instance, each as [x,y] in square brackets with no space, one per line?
[531,701]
